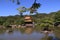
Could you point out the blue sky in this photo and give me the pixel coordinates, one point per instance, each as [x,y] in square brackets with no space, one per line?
[8,8]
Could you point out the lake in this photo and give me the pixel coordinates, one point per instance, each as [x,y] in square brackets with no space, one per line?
[28,34]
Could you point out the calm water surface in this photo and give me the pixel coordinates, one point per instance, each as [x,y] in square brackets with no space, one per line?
[17,35]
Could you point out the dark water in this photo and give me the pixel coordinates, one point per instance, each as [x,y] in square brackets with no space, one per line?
[17,35]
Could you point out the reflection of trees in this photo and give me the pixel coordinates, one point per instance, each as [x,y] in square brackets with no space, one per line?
[22,30]
[26,30]
[2,31]
[47,38]
[57,32]
[10,32]
[10,29]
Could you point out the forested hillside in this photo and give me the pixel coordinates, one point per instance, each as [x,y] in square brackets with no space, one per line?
[38,18]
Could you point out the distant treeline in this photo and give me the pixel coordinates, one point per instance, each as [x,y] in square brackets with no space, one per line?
[38,18]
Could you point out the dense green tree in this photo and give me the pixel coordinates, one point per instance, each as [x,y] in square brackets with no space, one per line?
[21,10]
[38,18]
[57,16]
[2,20]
